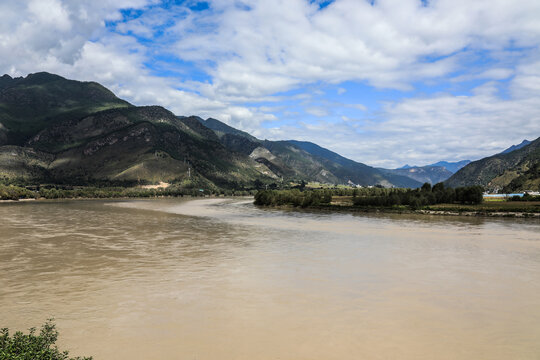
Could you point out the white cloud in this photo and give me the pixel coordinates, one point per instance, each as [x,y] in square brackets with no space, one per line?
[278,45]
[50,12]
[317,111]
[426,130]
[48,33]
[283,45]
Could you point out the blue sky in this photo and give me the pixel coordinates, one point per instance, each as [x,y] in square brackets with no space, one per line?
[384,82]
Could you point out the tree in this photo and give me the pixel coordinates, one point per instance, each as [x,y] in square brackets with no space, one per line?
[470,194]
[426,187]
[258,184]
[438,187]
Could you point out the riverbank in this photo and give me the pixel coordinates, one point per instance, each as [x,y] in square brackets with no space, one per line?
[521,210]
[465,201]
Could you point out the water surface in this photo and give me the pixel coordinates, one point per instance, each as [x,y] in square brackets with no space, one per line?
[207,279]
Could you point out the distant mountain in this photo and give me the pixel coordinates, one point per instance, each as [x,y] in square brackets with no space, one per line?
[434,173]
[515,170]
[516,147]
[453,167]
[422,174]
[450,166]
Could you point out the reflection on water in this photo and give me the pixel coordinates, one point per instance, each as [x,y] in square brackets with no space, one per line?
[211,279]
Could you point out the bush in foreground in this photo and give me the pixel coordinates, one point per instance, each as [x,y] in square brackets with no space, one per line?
[31,346]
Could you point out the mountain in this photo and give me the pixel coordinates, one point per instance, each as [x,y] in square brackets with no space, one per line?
[422,174]
[65,131]
[357,173]
[516,147]
[433,173]
[515,170]
[30,104]
[304,160]
[453,167]
[222,129]
[450,166]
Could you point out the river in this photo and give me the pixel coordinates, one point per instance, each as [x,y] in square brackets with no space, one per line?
[222,279]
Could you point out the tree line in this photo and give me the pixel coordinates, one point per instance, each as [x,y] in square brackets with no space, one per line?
[374,197]
[12,192]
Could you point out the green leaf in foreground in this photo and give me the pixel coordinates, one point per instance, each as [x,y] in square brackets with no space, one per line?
[22,346]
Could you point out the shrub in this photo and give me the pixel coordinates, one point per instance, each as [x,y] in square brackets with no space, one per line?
[36,347]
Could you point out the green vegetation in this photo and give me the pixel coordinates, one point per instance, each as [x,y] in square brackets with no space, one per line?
[293,197]
[373,197]
[528,180]
[30,104]
[526,197]
[12,192]
[31,346]
[59,131]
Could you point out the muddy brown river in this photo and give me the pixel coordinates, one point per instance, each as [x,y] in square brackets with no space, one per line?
[219,279]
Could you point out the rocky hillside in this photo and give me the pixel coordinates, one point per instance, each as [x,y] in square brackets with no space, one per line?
[356,172]
[515,170]
[64,131]
[304,160]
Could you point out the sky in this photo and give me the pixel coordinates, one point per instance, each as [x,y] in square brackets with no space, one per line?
[383,82]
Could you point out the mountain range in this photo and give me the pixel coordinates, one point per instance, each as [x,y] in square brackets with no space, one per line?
[55,130]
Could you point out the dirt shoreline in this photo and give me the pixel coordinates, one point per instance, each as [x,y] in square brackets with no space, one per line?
[352,209]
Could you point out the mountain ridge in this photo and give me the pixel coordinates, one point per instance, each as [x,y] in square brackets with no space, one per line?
[516,147]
